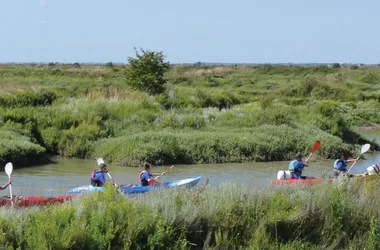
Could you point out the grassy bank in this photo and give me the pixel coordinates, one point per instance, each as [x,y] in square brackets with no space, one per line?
[325,216]
[207,114]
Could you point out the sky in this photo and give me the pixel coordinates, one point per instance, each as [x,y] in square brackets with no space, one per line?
[222,31]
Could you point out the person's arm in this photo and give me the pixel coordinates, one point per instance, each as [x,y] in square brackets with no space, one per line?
[353,160]
[158,174]
[102,178]
[150,178]
[5,185]
[298,166]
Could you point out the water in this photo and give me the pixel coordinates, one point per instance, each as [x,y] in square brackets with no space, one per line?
[57,178]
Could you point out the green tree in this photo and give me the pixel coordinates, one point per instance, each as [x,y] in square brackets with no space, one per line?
[146,71]
[109,64]
[336,65]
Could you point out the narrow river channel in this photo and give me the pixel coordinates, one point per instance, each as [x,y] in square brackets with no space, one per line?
[57,178]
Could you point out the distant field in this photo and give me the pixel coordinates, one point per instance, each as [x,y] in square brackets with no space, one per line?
[208,114]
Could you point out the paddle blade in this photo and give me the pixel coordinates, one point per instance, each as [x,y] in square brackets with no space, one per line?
[365,148]
[100,161]
[316,146]
[9,169]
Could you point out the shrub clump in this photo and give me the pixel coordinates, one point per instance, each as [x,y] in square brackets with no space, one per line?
[146,71]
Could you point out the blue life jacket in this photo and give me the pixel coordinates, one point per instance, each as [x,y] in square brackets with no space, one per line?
[336,164]
[292,168]
[142,181]
[94,181]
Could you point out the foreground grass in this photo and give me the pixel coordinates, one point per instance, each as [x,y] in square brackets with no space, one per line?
[332,216]
[208,114]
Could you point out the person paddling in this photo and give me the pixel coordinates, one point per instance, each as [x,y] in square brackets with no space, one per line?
[340,164]
[98,178]
[296,167]
[146,177]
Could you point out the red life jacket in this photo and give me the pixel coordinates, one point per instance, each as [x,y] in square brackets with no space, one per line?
[145,182]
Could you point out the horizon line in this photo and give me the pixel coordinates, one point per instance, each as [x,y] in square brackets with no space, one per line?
[187,63]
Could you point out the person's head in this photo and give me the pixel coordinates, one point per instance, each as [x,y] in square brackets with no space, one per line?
[103,167]
[147,166]
[340,156]
[299,157]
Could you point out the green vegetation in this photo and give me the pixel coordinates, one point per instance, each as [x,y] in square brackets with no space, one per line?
[198,114]
[326,216]
[146,71]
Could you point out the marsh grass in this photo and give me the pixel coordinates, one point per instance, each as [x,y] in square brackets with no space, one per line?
[340,215]
[84,110]
[263,143]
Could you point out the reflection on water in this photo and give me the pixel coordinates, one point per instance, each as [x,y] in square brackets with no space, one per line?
[57,178]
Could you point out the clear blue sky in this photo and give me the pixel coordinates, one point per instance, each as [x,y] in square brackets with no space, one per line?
[227,31]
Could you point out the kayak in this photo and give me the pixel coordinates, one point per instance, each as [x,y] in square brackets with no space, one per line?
[139,189]
[312,180]
[285,176]
[299,181]
[28,201]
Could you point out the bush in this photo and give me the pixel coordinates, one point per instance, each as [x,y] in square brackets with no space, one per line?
[354,67]
[19,149]
[77,141]
[76,65]
[264,143]
[146,72]
[336,65]
[96,222]
[28,99]
[371,78]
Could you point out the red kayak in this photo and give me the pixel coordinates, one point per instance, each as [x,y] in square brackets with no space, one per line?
[300,181]
[312,181]
[28,201]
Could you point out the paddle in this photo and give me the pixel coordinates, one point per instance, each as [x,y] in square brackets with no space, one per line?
[8,171]
[365,148]
[157,177]
[315,147]
[100,161]
[168,170]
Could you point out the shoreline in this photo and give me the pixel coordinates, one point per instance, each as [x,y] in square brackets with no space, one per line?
[374,126]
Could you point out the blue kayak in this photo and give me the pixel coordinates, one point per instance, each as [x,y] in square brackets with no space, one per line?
[138,189]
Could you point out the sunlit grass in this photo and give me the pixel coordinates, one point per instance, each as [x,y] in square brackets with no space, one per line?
[86,105]
[328,215]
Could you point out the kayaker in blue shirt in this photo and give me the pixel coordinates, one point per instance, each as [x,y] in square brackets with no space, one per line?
[296,167]
[98,178]
[340,164]
[6,185]
[146,177]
